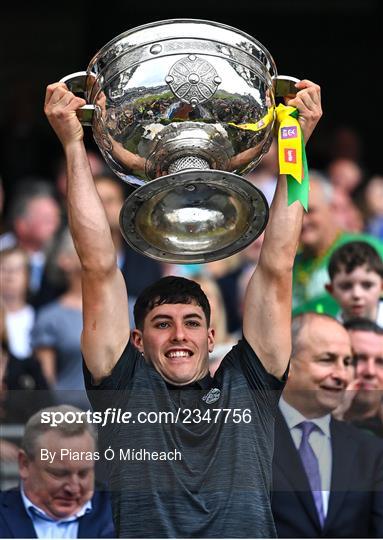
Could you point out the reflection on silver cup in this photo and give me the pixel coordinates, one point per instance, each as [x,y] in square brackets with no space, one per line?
[180,109]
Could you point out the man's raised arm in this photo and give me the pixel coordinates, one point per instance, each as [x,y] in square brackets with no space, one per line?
[267,309]
[105,303]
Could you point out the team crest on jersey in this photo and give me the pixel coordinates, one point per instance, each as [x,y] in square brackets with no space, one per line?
[212,396]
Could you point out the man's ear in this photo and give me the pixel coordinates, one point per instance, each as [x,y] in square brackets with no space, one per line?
[137,340]
[23,460]
[329,288]
[211,339]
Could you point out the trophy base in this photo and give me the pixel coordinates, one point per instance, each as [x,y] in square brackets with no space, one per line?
[194,216]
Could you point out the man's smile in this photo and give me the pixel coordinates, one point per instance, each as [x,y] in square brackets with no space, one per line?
[178,353]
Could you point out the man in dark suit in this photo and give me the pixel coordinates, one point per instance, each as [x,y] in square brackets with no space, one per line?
[16,523]
[56,497]
[327,475]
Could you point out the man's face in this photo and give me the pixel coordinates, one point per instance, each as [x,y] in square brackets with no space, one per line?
[345,174]
[368,352]
[41,220]
[357,292]
[318,221]
[14,275]
[177,341]
[62,487]
[321,368]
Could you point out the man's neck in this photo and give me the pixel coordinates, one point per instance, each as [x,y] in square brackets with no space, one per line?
[31,246]
[302,407]
[14,304]
[31,498]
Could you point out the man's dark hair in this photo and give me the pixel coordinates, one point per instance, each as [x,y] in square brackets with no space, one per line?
[363,325]
[170,290]
[352,255]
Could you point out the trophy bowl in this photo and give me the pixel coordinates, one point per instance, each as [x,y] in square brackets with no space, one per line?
[181,109]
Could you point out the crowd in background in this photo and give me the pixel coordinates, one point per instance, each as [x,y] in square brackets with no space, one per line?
[41,303]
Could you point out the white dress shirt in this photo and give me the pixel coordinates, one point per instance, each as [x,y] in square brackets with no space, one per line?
[319,439]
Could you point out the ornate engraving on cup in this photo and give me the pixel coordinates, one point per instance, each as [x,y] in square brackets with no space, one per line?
[193,80]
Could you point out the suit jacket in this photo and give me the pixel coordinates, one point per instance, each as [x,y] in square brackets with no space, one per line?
[355,507]
[15,522]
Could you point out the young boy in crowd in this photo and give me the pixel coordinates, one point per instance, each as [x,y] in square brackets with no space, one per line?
[356,281]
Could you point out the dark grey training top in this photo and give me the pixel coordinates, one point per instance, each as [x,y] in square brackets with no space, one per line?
[215,480]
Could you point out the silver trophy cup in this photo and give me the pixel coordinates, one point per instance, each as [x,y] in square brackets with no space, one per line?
[180,109]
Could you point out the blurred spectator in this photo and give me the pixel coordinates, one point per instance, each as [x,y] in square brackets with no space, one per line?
[138,270]
[20,316]
[327,474]
[34,218]
[226,273]
[250,256]
[56,496]
[7,238]
[364,406]
[356,281]
[347,215]
[320,236]
[345,174]
[8,450]
[265,175]
[97,165]
[56,336]
[23,390]
[346,177]
[373,200]
[218,320]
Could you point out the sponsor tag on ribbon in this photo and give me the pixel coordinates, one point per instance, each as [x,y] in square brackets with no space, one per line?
[292,155]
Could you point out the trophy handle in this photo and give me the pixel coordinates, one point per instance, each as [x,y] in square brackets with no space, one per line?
[284,86]
[76,83]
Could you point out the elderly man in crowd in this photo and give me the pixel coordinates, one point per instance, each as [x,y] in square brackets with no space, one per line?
[56,497]
[327,475]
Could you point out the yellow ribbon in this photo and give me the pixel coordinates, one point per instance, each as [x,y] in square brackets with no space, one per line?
[289,142]
[261,124]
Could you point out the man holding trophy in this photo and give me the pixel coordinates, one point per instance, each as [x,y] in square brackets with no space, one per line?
[193,456]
